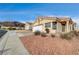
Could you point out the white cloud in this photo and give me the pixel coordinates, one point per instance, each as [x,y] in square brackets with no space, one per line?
[76,19]
[15,12]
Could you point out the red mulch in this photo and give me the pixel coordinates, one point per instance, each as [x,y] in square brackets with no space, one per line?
[38,45]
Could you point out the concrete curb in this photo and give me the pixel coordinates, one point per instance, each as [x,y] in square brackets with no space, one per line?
[3,41]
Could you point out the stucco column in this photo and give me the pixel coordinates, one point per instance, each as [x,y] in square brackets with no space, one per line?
[43,27]
[67,26]
[60,27]
[71,27]
[51,25]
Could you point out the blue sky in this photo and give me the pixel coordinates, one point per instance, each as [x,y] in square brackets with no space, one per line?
[29,11]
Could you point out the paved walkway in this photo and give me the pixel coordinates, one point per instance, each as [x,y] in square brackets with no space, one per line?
[12,45]
[27,33]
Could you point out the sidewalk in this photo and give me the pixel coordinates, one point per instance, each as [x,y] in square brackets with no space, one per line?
[13,45]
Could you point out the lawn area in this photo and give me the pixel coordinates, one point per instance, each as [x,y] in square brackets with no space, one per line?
[38,45]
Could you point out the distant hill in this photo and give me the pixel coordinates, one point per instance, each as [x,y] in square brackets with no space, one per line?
[12,24]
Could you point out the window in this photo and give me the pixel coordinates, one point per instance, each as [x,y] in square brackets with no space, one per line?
[54,25]
[47,25]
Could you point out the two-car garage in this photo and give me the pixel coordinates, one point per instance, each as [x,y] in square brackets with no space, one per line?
[37,28]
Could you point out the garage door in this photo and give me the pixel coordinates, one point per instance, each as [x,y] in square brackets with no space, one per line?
[37,28]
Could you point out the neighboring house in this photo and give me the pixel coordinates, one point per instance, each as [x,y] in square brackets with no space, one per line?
[12,27]
[54,24]
[28,26]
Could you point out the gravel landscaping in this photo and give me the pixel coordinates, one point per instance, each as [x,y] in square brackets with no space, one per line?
[38,45]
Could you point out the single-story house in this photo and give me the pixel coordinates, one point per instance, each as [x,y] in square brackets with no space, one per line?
[54,24]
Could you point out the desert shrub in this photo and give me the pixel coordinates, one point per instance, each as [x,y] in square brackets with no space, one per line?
[47,30]
[43,34]
[11,28]
[66,36]
[70,35]
[4,28]
[52,35]
[76,33]
[37,33]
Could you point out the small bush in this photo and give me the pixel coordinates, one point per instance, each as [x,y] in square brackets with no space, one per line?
[43,34]
[66,36]
[47,30]
[52,35]
[37,33]
[4,28]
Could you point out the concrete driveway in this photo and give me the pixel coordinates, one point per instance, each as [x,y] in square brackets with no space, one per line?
[10,44]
